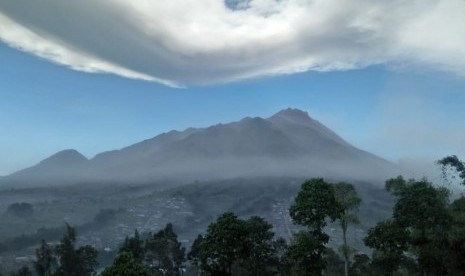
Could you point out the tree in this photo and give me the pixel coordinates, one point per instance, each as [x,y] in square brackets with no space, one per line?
[334,263]
[165,251]
[196,255]
[455,163]
[419,226]
[314,205]
[258,247]
[126,265]
[223,244]
[390,241]
[280,261]
[360,265]
[422,209]
[237,246]
[72,262]
[46,262]
[455,263]
[348,200]
[134,245]
[306,253]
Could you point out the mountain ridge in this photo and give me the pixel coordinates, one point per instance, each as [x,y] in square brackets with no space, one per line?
[289,143]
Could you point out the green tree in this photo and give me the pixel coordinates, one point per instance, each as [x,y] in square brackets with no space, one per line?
[165,251]
[348,200]
[306,253]
[334,263]
[360,265]
[75,262]
[314,205]
[390,241]
[420,225]
[46,262]
[223,244]
[455,163]
[259,251]
[423,210]
[126,265]
[456,256]
[196,255]
[134,245]
[280,261]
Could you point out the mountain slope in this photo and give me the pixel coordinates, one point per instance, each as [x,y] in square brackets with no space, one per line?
[289,143]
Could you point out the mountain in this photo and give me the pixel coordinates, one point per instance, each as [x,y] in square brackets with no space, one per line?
[66,164]
[289,143]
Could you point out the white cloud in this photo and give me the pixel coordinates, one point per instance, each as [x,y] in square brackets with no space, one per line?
[181,42]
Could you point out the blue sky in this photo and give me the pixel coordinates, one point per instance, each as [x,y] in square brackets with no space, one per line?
[92,76]
[46,108]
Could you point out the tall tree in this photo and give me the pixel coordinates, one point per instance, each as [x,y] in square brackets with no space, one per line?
[314,205]
[223,244]
[348,200]
[75,262]
[46,262]
[258,247]
[165,251]
[134,245]
[196,255]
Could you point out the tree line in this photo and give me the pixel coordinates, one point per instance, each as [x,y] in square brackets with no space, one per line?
[424,236]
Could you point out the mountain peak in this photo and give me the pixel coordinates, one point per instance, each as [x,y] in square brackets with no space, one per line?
[69,156]
[292,113]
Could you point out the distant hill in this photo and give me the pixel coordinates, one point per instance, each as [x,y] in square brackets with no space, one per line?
[288,144]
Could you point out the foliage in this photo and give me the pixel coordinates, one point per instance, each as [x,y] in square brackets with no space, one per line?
[126,265]
[164,251]
[258,248]
[456,236]
[314,205]
[419,228]
[223,244]
[46,262]
[134,245]
[236,246]
[196,256]
[64,259]
[455,163]
[390,242]
[348,200]
[360,265]
[306,253]
[72,261]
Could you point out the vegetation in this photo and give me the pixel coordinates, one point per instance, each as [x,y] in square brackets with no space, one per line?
[348,200]
[424,236]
